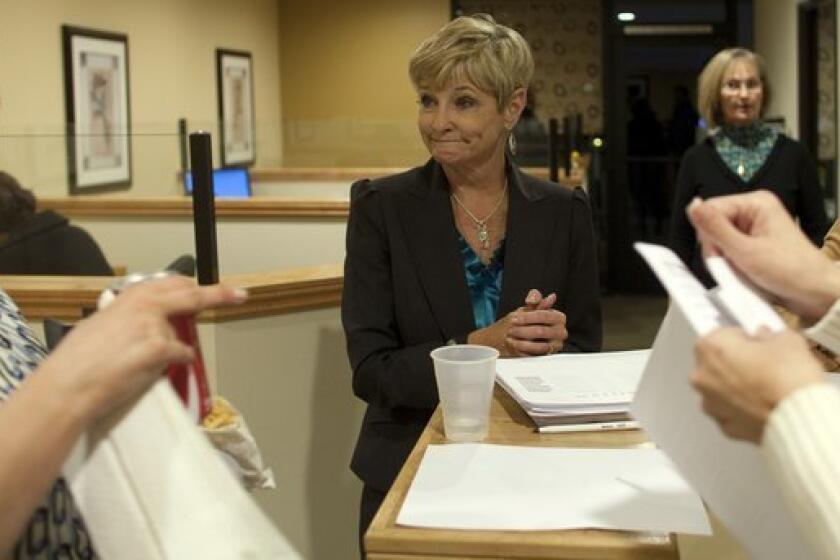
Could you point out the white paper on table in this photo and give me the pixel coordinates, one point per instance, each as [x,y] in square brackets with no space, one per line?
[730,475]
[497,487]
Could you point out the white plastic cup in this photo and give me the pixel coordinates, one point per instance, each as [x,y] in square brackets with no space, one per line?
[465,374]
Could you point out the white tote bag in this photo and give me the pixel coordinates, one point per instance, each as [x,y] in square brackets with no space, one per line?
[151,487]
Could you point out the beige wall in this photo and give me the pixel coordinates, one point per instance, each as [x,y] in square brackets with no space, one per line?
[172,74]
[290,378]
[346,97]
[775,27]
[146,245]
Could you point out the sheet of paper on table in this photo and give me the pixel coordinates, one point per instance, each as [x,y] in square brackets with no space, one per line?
[730,475]
[498,487]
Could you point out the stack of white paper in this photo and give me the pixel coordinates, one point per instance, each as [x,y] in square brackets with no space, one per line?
[498,487]
[567,389]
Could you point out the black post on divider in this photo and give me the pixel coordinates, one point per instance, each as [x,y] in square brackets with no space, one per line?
[204,208]
[568,143]
[182,144]
[553,148]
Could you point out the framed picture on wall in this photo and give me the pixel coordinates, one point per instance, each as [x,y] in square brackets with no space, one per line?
[235,82]
[97,109]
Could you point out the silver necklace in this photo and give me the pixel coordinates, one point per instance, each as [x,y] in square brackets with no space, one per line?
[481,225]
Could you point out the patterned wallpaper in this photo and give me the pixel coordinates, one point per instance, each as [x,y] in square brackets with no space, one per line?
[565,37]
[826,76]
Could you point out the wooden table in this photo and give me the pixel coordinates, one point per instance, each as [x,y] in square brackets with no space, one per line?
[509,425]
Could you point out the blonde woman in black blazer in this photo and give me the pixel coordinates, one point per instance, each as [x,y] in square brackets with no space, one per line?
[465,248]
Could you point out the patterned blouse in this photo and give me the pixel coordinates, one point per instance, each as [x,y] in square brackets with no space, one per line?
[56,530]
[744,149]
[484,282]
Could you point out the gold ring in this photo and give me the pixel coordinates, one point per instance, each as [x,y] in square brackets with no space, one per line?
[550,347]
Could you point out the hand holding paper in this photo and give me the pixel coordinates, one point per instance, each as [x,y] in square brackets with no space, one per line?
[140,343]
[742,378]
[759,238]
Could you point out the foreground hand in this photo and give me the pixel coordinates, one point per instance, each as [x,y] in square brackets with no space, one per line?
[759,238]
[742,379]
[117,353]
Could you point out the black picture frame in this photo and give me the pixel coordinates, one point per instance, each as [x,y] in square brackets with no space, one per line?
[97,109]
[235,87]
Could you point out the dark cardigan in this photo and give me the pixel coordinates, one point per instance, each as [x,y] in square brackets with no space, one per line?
[788,172]
[48,244]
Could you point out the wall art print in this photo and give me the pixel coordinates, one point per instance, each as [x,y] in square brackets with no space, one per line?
[97,109]
[236,107]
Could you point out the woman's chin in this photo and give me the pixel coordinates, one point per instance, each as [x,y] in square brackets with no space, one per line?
[743,119]
[446,157]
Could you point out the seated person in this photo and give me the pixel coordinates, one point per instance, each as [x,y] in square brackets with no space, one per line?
[464,248]
[530,137]
[42,242]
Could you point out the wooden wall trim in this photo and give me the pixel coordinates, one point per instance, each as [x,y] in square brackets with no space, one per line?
[349,174]
[283,174]
[75,207]
[253,208]
[270,293]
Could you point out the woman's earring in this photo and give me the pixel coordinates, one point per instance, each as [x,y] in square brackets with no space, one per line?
[512,143]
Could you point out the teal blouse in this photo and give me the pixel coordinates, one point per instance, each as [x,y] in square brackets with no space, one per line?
[484,282]
[744,149]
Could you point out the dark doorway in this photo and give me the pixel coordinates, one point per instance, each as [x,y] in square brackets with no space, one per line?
[817,94]
[651,66]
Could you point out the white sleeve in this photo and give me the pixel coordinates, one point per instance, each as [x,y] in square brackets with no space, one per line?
[801,445]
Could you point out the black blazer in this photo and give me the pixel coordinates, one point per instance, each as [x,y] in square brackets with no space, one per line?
[405,293]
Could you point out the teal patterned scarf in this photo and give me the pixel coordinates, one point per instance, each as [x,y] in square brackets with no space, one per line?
[483,281]
[745,148]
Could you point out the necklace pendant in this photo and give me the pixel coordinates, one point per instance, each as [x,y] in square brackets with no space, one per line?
[483,236]
[741,169]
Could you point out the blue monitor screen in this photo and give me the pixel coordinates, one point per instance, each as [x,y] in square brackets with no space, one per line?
[227,183]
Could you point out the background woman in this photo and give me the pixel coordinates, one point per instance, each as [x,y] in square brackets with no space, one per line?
[461,249]
[742,154]
[44,242]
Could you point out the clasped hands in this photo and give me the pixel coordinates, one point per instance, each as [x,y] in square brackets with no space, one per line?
[535,329]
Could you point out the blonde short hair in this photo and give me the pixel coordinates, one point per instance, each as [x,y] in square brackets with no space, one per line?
[711,80]
[494,58]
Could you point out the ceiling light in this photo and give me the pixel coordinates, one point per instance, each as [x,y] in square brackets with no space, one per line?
[626,16]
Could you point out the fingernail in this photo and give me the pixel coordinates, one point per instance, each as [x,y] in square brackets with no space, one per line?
[240,293]
[533,297]
[695,202]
